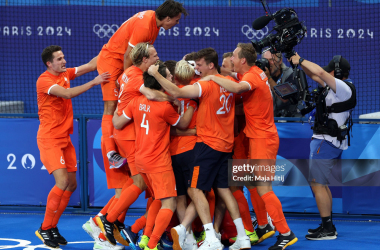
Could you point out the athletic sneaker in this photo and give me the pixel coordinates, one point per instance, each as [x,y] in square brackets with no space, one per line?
[165,240]
[284,241]
[116,161]
[47,238]
[322,234]
[311,231]
[213,244]
[91,228]
[201,238]
[241,243]
[118,227]
[107,228]
[143,242]
[178,235]
[129,237]
[158,247]
[58,238]
[264,233]
[106,246]
[190,243]
[252,237]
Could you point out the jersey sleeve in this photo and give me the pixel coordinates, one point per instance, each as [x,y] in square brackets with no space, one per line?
[251,79]
[44,85]
[72,72]
[139,35]
[128,111]
[203,88]
[170,115]
[343,92]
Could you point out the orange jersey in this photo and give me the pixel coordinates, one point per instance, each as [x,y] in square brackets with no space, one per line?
[142,27]
[55,113]
[181,144]
[216,112]
[258,105]
[130,83]
[152,122]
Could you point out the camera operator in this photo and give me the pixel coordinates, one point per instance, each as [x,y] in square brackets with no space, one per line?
[329,133]
[280,73]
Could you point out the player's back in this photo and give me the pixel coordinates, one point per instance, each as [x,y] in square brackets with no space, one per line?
[215,119]
[142,27]
[152,122]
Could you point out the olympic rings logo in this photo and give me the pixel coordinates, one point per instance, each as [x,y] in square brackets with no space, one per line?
[105,30]
[251,33]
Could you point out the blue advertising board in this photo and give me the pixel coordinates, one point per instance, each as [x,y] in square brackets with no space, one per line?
[351,30]
[23,178]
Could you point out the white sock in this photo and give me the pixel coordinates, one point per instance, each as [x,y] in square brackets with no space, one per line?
[210,232]
[287,234]
[109,154]
[262,227]
[240,228]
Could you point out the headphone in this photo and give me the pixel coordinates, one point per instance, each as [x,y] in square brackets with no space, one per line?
[337,71]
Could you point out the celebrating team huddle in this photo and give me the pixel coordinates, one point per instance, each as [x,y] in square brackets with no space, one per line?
[168,130]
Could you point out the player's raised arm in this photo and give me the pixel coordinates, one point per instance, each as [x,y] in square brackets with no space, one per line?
[88,67]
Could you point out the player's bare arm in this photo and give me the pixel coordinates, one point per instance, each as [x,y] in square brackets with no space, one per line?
[88,67]
[127,58]
[119,122]
[186,119]
[155,95]
[73,92]
[189,91]
[229,85]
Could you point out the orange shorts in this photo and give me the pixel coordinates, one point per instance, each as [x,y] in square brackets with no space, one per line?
[115,68]
[127,150]
[57,153]
[116,177]
[161,185]
[265,151]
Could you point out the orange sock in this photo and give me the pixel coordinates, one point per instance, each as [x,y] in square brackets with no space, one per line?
[244,210]
[152,217]
[127,184]
[127,198]
[105,208]
[62,206]
[113,204]
[107,132]
[52,205]
[139,224]
[148,203]
[274,208]
[121,217]
[211,201]
[162,221]
[259,207]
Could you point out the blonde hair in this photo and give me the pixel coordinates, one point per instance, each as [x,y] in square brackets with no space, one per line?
[140,51]
[184,72]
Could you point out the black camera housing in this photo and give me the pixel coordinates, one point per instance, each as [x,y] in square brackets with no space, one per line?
[262,63]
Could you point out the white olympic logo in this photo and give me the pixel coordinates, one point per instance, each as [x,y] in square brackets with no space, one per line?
[105,30]
[251,33]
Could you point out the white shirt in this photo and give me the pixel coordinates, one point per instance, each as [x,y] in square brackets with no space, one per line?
[343,93]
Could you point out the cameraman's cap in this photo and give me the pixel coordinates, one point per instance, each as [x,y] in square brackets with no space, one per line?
[344,65]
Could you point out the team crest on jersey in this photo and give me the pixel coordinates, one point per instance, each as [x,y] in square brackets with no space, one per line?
[263,75]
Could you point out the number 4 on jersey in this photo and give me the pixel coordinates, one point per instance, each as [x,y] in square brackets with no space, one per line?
[146,126]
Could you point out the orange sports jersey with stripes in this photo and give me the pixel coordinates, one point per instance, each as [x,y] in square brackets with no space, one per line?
[258,105]
[215,119]
[142,27]
[130,83]
[152,123]
[55,113]
[181,144]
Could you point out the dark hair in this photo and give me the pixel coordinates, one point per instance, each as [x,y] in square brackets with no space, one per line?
[209,55]
[227,54]
[47,53]
[190,56]
[170,64]
[248,52]
[150,81]
[170,9]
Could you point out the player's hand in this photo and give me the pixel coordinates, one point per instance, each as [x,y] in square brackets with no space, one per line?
[295,59]
[102,78]
[207,78]
[153,70]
